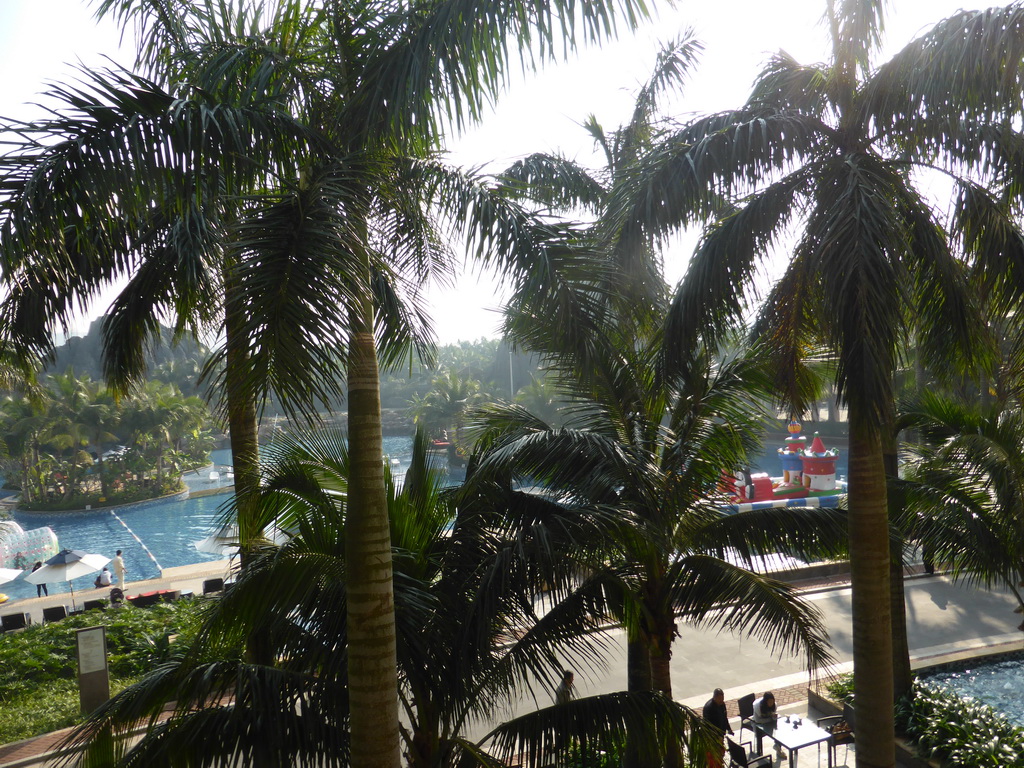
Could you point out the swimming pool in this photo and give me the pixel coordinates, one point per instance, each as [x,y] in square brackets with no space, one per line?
[168,528]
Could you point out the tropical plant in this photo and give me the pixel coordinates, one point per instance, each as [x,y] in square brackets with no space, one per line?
[963,496]
[650,451]
[444,407]
[471,638]
[271,176]
[563,185]
[836,153]
[965,731]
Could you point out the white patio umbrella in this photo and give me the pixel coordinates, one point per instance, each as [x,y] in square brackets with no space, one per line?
[9,574]
[224,541]
[66,565]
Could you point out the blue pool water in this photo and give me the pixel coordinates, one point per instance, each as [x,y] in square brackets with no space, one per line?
[1000,684]
[168,528]
[171,528]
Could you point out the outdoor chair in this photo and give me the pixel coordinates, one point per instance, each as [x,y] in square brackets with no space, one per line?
[55,613]
[211,586]
[146,600]
[13,621]
[842,729]
[746,706]
[738,757]
[92,605]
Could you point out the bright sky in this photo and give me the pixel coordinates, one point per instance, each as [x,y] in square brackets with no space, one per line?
[41,40]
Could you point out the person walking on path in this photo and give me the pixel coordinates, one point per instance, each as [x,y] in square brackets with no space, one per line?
[565,692]
[40,588]
[119,569]
[715,713]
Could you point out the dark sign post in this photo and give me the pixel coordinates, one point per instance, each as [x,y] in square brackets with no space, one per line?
[93,677]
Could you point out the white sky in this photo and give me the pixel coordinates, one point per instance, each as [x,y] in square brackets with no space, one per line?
[41,40]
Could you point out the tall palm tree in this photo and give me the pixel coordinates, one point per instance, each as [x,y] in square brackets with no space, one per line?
[471,637]
[267,177]
[836,151]
[650,451]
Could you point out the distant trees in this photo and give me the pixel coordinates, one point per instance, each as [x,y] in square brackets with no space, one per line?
[72,443]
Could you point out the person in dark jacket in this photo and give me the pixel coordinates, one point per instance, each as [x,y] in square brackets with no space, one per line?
[715,713]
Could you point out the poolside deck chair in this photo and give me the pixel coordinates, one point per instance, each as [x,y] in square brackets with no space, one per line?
[211,586]
[145,600]
[54,613]
[92,605]
[12,621]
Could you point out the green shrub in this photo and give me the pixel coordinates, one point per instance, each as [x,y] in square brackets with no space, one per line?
[960,729]
[38,669]
[840,688]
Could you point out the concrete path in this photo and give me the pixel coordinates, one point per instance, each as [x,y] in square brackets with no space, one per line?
[187,578]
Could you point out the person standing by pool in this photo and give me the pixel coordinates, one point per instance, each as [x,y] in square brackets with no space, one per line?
[119,569]
[40,588]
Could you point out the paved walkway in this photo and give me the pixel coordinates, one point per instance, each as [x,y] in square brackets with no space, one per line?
[187,578]
[944,620]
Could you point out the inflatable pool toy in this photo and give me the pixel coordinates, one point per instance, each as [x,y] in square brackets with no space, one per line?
[3,598]
[21,549]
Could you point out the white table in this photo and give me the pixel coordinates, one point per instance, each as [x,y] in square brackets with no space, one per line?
[795,737]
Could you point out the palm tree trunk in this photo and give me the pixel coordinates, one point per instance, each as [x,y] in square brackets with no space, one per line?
[103,475]
[372,655]
[638,678]
[903,678]
[872,620]
[242,423]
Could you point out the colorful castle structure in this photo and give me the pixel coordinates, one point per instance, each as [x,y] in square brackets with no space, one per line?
[808,477]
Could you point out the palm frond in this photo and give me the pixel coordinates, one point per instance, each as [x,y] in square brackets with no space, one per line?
[711,592]
[554,181]
[602,723]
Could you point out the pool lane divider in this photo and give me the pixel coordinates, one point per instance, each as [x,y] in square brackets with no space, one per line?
[141,543]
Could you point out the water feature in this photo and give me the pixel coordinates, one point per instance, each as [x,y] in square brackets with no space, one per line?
[998,683]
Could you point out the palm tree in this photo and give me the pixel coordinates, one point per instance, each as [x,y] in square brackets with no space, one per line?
[469,637]
[268,177]
[563,185]
[963,496]
[445,405]
[650,451]
[837,150]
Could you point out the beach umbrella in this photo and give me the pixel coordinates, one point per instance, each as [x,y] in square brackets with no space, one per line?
[9,574]
[66,565]
[224,540]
